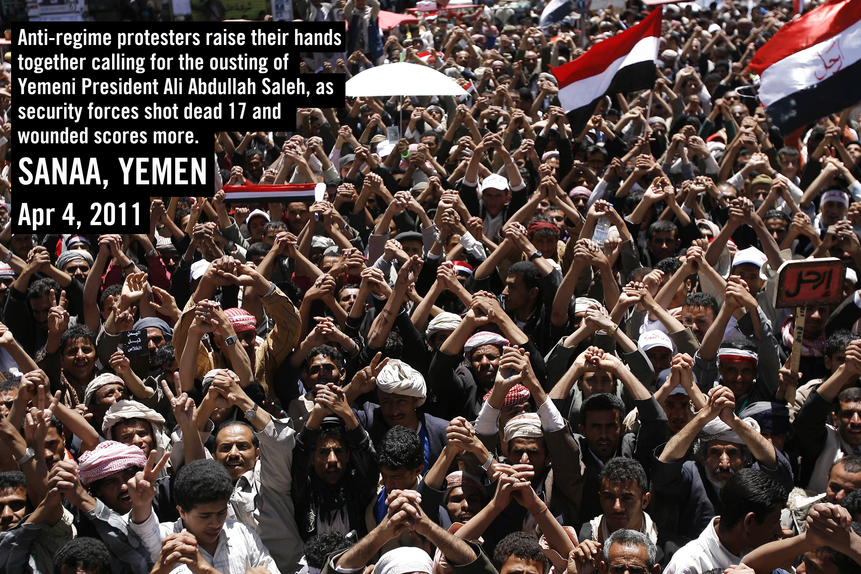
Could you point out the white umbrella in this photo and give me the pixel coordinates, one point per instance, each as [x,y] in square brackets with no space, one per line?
[402,79]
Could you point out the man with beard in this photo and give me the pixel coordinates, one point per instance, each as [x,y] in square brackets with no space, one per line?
[752,502]
[724,445]
[76,263]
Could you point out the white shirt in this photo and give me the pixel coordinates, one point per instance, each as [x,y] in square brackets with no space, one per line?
[705,555]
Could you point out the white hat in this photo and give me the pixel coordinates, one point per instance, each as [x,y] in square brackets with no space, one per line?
[835,195]
[198,268]
[750,255]
[494,181]
[652,339]
[257,213]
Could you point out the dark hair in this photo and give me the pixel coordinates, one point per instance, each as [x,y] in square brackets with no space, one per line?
[318,548]
[77,332]
[602,402]
[851,464]
[113,290]
[622,469]
[598,149]
[278,225]
[258,248]
[790,151]
[394,346]
[850,395]
[777,214]
[12,480]
[529,272]
[201,482]
[669,265]
[9,383]
[739,343]
[251,152]
[91,554]
[165,354]
[336,432]
[326,351]
[852,503]
[400,448]
[838,341]
[702,300]
[660,226]
[750,490]
[522,545]
[431,134]
[633,200]
[254,440]
[42,287]
[57,424]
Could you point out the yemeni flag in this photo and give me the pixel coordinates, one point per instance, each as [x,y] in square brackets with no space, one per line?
[623,63]
[555,11]
[274,193]
[812,66]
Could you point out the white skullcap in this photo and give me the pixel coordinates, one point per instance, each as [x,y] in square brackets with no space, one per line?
[403,560]
[257,213]
[583,304]
[526,425]
[399,378]
[494,181]
[652,339]
[445,321]
[851,275]
[719,430]
[750,255]
[198,268]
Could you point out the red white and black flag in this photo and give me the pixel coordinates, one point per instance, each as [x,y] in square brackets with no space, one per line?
[277,193]
[812,66]
[623,63]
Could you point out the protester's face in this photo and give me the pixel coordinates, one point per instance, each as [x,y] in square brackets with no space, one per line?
[107,395]
[234,449]
[557,216]
[816,318]
[13,507]
[817,562]
[738,376]
[113,490]
[581,203]
[678,413]
[739,113]
[297,216]
[660,358]
[528,451]
[254,165]
[623,504]
[461,58]
[412,247]
[5,284]
[517,565]
[778,441]
[789,165]
[327,262]
[78,269]
[494,200]
[55,448]
[627,558]
[135,432]
[7,398]
[155,340]
[400,479]
[205,521]
[841,483]
[322,370]
[255,228]
[398,410]
[485,362]
[596,382]
[722,459]
[517,296]
[41,306]
[777,228]
[603,432]
[663,244]
[546,245]
[22,243]
[463,503]
[750,273]
[530,60]
[79,358]
[832,212]
[833,362]
[431,141]
[597,162]
[766,532]
[854,151]
[347,298]
[699,319]
[849,422]
[330,460]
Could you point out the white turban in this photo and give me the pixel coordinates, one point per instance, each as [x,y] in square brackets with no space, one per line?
[126,410]
[403,560]
[583,304]
[719,430]
[483,338]
[527,425]
[99,382]
[443,322]
[399,378]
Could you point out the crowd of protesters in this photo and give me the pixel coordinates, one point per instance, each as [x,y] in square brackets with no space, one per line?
[498,345]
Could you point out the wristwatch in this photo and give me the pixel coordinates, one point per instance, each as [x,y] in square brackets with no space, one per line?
[251,413]
[28,454]
[535,256]
[230,341]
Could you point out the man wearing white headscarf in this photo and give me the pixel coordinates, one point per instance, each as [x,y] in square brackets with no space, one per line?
[130,422]
[400,391]
[723,444]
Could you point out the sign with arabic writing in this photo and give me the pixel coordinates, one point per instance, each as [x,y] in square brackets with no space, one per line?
[810,282]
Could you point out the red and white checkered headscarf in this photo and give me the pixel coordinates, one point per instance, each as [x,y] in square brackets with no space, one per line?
[483,338]
[461,478]
[110,457]
[241,320]
[516,395]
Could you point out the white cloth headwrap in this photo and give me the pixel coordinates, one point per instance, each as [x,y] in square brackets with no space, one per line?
[403,560]
[98,383]
[719,430]
[527,425]
[583,304]
[445,321]
[483,338]
[399,378]
[124,410]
